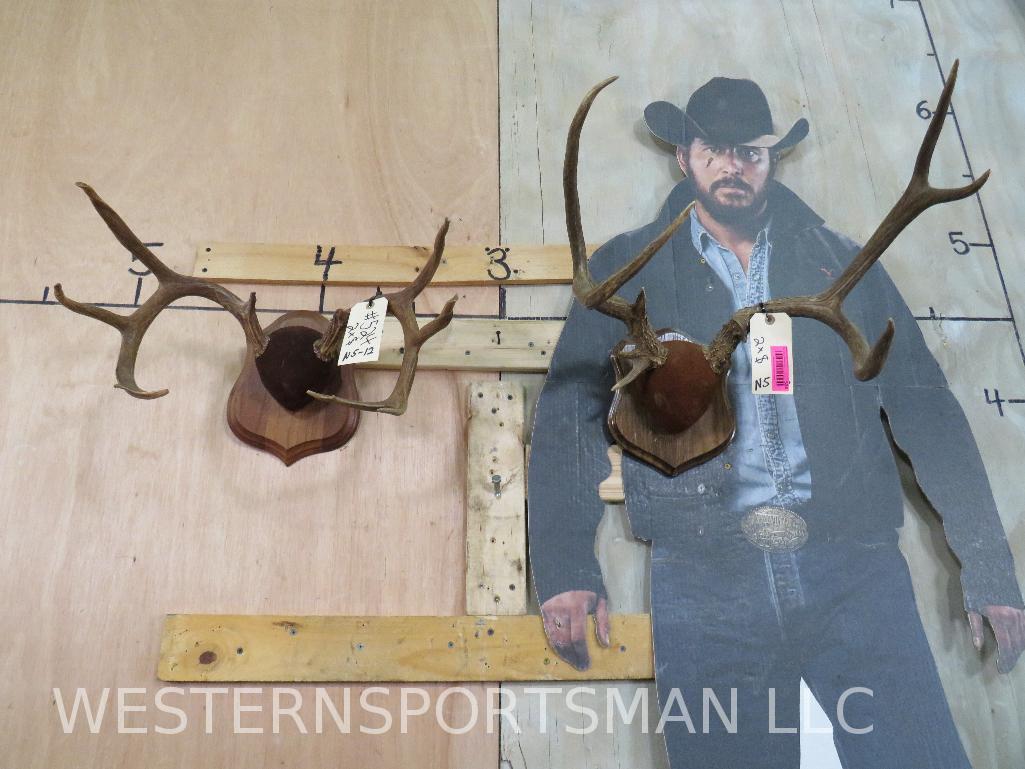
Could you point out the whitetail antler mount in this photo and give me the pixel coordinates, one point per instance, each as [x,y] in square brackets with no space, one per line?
[278,402]
[677,387]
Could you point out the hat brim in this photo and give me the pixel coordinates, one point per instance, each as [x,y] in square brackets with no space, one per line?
[796,133]
[666,122]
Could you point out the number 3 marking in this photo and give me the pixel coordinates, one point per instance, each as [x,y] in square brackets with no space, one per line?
[500,260]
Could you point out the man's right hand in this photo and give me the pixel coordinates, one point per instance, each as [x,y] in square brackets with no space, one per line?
[565,620]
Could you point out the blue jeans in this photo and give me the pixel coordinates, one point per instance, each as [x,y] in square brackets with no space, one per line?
[840,614]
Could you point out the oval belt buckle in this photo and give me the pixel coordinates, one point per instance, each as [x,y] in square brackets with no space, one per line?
[775,529]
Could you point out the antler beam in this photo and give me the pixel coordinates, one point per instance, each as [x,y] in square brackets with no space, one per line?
[172,286]
[826,306]
[400,304]
[648,351]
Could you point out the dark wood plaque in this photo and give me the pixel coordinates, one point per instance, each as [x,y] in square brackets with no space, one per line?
[259,420]
[672,453]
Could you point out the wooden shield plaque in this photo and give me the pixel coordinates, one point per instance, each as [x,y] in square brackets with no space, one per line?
[672,453]
[259,420]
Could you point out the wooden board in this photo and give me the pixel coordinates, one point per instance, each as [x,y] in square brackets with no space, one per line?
[477,344]
[273,122]
[468,344]
[496,525]
[611,489]
[353,265]
[630,426]
[218,647]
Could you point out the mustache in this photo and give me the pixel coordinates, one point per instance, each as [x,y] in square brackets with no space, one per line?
[735,184]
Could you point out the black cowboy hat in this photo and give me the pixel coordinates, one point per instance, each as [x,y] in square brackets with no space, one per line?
[722,111]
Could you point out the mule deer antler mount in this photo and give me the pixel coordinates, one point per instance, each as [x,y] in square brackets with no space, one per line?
[671,407]
[291,398]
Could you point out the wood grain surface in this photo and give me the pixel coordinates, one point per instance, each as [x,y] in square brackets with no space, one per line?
[477,344]
[633,428]
[258,419]
[219,647]
[463,265]
[297,122]
[496,490]
[229,122]
[857,71]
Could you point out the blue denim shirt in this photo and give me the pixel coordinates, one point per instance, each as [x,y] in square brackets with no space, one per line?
[772,465]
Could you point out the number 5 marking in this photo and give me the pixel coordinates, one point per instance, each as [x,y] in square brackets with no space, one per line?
[961,247]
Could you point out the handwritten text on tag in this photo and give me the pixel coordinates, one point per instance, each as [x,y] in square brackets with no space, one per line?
[772,354]
[364,332]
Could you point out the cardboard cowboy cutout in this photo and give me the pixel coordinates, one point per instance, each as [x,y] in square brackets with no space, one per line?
[774,547]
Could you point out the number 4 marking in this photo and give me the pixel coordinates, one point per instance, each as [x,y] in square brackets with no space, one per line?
[999,402]
[996,400]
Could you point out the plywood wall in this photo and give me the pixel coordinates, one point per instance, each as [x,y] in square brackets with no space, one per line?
[366,122]
[857,71]
[324,121]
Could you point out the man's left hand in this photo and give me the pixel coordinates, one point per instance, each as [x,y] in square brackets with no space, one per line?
[1008,626]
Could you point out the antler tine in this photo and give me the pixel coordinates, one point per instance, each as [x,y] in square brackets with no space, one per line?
[593,295]
[426,275]
[602,296]
[932,134]
[826,306]
[400,304]
[171,286]
[918,196]
[125,236]
[639,358]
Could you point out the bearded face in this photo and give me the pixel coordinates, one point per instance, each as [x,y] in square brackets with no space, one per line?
[730,182]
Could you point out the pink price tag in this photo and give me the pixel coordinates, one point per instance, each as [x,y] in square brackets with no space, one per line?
[780,368]
[772,364]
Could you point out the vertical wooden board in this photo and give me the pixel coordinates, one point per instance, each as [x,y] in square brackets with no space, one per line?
[496,529]
[496,526]
[546,739]
[302,121]
[857,71]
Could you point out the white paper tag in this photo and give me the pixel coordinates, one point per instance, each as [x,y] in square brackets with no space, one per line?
[364,332]
[772,354]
